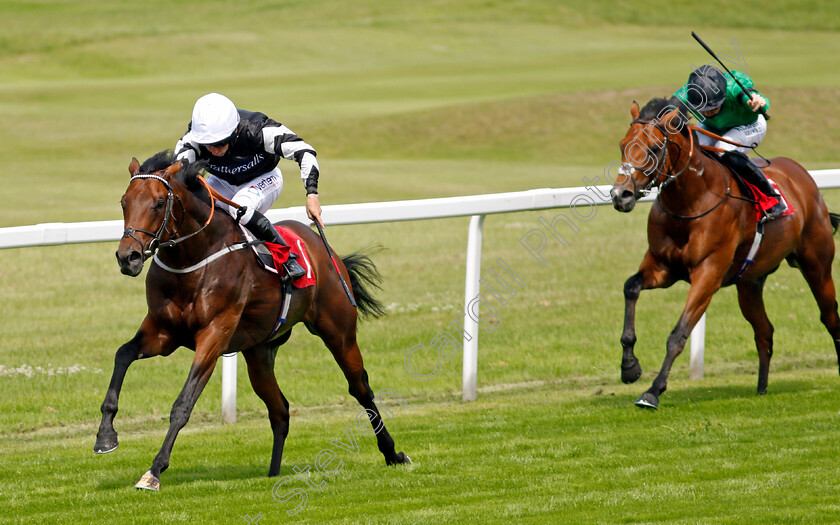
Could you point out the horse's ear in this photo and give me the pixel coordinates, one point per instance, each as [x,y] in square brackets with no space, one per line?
[134,167]
[675,121]
[173,169]
[634,110]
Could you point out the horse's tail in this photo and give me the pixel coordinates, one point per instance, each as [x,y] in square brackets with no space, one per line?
[835,220]
[364,279]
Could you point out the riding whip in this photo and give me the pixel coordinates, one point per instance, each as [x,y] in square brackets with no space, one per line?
[746,93]
[335,265]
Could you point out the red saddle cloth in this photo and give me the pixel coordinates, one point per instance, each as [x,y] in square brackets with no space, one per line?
[763,202]
[280,254]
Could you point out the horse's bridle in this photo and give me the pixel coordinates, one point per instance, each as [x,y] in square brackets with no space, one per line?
[154,244]
[171,197]
[655,173]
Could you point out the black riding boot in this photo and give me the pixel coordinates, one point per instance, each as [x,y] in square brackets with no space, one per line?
[745,167]
[263,230]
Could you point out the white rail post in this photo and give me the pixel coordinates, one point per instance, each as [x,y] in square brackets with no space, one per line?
[698,349]
[471,324]
[229,388]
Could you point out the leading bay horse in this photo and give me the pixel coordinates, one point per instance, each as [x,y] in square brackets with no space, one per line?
[222,302]
[701,228]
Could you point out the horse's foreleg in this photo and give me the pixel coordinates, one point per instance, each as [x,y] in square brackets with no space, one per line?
[260,361]
[705,281]
[147,342]
[751,301]
[650,275]
[210,344]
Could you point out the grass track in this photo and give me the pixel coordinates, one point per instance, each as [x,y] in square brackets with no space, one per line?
[410,100]
[535,453]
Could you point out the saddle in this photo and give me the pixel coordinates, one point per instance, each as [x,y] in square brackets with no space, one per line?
[271,256]
[760,199]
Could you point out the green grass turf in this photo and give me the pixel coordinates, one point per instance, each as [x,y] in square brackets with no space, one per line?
[565,451]
[410,100]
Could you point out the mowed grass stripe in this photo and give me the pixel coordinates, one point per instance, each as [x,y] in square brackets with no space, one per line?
[572,452]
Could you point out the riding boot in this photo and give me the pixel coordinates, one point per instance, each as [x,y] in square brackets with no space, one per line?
[752,174]
[263,230]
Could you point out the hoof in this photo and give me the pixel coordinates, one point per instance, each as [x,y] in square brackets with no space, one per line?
[148,482]
[105,449]
[631,371]
[647,400]
[762,392]
[400,458]
[103,446]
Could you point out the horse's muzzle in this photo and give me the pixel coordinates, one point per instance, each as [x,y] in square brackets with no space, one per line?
[130,263]
[623,199]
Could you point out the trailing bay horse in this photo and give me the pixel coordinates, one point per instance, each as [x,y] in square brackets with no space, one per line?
[701,228]
[221,301]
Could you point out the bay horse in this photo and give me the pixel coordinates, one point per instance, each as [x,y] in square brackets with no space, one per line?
[701,228]
[228,304]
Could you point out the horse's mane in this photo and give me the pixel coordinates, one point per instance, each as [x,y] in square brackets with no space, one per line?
[188,176]
[655,106]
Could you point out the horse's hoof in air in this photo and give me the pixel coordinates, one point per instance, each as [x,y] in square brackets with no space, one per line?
[631,372]
[647,400]
[148,482]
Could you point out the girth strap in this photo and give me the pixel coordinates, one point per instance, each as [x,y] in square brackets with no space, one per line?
[751,255]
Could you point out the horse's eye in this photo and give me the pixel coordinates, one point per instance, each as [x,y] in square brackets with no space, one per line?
[160,204]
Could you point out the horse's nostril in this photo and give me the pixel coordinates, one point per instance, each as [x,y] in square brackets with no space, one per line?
[134,256]
[626,194]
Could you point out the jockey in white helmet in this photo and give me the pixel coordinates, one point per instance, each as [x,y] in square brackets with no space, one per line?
[242,149]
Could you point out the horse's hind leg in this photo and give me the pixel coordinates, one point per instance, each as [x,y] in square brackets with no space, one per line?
[345,350]
[361,390]
[751,301]
[814,262]
[260,361]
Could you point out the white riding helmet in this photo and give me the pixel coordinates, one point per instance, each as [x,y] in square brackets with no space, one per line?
[214,119]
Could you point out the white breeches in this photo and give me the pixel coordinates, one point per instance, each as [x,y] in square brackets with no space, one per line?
[749,135]
[258,194]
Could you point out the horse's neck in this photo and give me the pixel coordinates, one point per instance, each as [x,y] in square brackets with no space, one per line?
[219,232]
[698,186]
